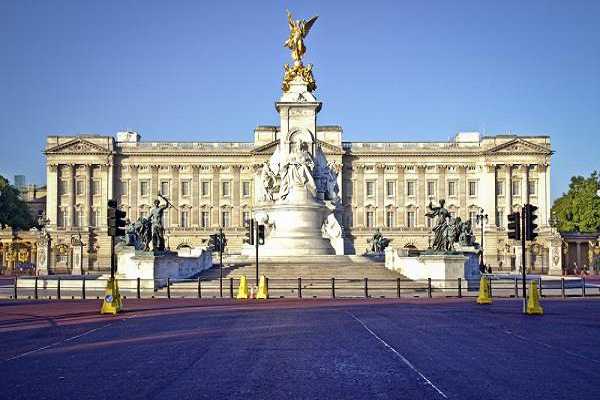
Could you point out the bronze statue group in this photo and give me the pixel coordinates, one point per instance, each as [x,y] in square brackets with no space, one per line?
[147,230]
[449,230]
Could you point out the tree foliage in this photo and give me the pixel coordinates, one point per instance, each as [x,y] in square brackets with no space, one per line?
[13,210]
[578,210]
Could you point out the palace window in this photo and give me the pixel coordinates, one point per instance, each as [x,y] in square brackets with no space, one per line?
[451,188]
[185,188]
[205,188]
[389,219]
[472,188]
[429,222]
[204,221]
[164,188]
[370,219]
[410,219]
[79,187]
[124,188]
[79,218]
[225,219]
[96,215]
[246,189]
[370,188]
[144,186]
[431,188]
[516,188]
[499,218]
[96,187]
[165,218]
[62,217]
[225,186]
[410,188]
[473,217]
[390,188]
[500,188]
[532,188]
[185,218]
[246,218]
[62,187]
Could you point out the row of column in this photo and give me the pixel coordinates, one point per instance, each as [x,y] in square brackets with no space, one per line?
[486,197]
[133,195]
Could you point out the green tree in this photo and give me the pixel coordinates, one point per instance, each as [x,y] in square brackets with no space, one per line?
[13,210]
[578,210]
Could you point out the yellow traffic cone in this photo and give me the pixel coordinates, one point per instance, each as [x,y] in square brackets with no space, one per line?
[111,304]
[533,300]
[263,291]
[485,295]
[243,289]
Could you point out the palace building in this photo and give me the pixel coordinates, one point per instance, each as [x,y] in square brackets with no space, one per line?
[385,185]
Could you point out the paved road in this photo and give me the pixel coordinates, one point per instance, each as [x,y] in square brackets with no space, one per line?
[311,349]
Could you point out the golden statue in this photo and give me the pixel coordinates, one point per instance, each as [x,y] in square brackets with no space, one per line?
[298,31]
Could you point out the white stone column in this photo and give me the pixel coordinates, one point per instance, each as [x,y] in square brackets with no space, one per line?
[441,183]
[359,181]
[380,211]
[235,217]
[195,195]
[400,196]
[421,197]
[71,168]
[88,214]
[216,195]
[508,195]
[543,195]
[52,194]
[173,213]
[133,192]
[525,183]
[487,193]
[462,193]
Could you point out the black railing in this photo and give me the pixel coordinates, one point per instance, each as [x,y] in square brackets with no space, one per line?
[89,288]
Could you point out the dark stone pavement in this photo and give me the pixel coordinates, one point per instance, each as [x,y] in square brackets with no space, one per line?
[300,349]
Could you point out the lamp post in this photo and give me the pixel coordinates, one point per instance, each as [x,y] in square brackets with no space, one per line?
[481,218]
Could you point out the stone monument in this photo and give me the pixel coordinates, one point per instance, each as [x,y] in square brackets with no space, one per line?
[297,189]
[77,255]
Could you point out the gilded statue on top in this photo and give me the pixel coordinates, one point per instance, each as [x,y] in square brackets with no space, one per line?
[298,31]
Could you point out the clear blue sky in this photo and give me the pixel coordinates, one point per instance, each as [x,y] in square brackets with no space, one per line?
[397,70]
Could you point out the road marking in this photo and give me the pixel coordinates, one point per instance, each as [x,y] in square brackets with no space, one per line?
[393,350]
[549,346]
[69,339]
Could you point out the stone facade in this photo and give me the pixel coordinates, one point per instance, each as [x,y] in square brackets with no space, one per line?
[386,185]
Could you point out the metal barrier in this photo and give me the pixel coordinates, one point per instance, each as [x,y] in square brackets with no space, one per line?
[63,287]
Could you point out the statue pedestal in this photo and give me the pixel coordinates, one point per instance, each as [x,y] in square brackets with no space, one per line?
[296,226]
[154,269]
[443,269]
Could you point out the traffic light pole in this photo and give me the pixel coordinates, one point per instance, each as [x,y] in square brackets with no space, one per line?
[523,259]
[113,264]
[220,262]
[256,247]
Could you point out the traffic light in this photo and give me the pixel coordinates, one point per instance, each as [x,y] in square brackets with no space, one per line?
[249,232]
[116,220]
[213,242]
[530,225]
[514,226]
[260,235]
[222,242]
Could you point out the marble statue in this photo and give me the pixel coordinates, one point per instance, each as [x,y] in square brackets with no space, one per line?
[296,170]
[298,31]
[269,182]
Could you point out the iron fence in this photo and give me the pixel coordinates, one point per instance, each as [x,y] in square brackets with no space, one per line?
[57,287]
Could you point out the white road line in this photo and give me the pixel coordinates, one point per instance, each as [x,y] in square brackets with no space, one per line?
[393,350]
[549,346]
[69,339]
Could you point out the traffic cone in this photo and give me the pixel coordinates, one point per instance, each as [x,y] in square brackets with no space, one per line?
[263,291]
[533,300]
[485,295]
[111,304]
[243,289]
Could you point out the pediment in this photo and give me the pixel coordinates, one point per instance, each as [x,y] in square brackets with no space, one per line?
[77,146]
[268,148]
[518,146]
[329,148]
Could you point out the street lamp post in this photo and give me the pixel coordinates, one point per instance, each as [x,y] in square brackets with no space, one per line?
[481,218]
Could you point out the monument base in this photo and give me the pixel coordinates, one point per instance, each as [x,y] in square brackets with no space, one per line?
[443,269]
[154,269]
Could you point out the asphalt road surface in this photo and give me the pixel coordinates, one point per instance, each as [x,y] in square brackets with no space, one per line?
[291,349]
